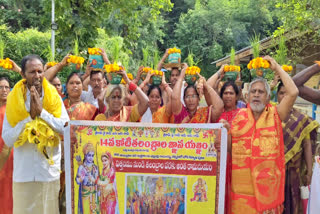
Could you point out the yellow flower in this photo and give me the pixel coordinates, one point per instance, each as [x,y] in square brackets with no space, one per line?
[6,63]
[130,76]
[94,51]
[147,69]
[174,50]
[75,59]
[112,67]
[193,70]
[226,68]
[287,68]
[51,64]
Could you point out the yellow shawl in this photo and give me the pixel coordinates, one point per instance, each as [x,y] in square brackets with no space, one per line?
[37,131]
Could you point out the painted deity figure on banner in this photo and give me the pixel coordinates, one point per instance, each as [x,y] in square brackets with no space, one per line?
[200,191]
[87,178]
[107,185]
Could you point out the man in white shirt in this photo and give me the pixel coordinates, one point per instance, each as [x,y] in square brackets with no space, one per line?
[36,174]
[95,88]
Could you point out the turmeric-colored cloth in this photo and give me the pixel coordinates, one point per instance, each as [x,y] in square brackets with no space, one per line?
[258,163]
[126,114]
[16,110]
[160,116]
[202,115]
[82,111]
[6,170]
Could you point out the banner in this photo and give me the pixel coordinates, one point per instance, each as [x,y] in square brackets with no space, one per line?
[142,168]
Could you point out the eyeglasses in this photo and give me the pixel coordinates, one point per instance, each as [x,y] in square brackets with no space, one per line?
[189,97]
[4,88]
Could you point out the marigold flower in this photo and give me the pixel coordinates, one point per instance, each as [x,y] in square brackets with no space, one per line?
[51,64]
[75,59]
[257,63]
[6,63]
[174,50]
[228,68]
[112,68]
[94,51]
[287,68]
[193,70]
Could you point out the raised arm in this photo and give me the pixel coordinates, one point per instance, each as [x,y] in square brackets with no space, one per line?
[15,67]
[52,72]
[286,104]
[163,59]
[215,77]
[310,94]
[168,90]
[303,76]
[104,56]
[176,92]
[134,100]
[138,76]
[213,99]
[141,96]
[86,76]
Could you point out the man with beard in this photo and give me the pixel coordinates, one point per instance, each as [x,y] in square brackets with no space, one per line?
[257,148]
[32,106]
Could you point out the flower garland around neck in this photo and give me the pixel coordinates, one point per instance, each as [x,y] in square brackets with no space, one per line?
[38,132]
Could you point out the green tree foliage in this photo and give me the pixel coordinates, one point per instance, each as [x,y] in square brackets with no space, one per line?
[22,14]
[82,18]
[299,18]
[214,26]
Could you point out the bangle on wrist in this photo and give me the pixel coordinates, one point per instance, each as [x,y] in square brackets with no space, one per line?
[132,86]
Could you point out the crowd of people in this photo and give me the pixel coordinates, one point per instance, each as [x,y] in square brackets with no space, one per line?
[270,145]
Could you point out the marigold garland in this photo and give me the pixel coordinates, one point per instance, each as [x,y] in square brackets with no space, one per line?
[38,132]
[113,68]
[258,62]
[287,68]
[94,51]
[174,50]
[157,73]
[75,59]
[147,69]
[51,64]
[6,63]
[193,70]
[231,68]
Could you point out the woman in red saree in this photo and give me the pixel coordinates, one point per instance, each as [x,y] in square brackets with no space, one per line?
[229,93]
[6,155]
[77,109]
[190,113]
[116,111]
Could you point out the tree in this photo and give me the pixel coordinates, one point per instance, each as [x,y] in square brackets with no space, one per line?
[23,14]
[81,18]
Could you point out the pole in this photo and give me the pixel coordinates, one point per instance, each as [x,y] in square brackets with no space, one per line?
[52,29]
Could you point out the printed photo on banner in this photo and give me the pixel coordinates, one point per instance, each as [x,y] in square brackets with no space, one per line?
[155,194]
[128,168]
[97,187]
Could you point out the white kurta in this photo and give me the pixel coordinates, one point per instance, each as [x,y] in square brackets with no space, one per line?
[29,164]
